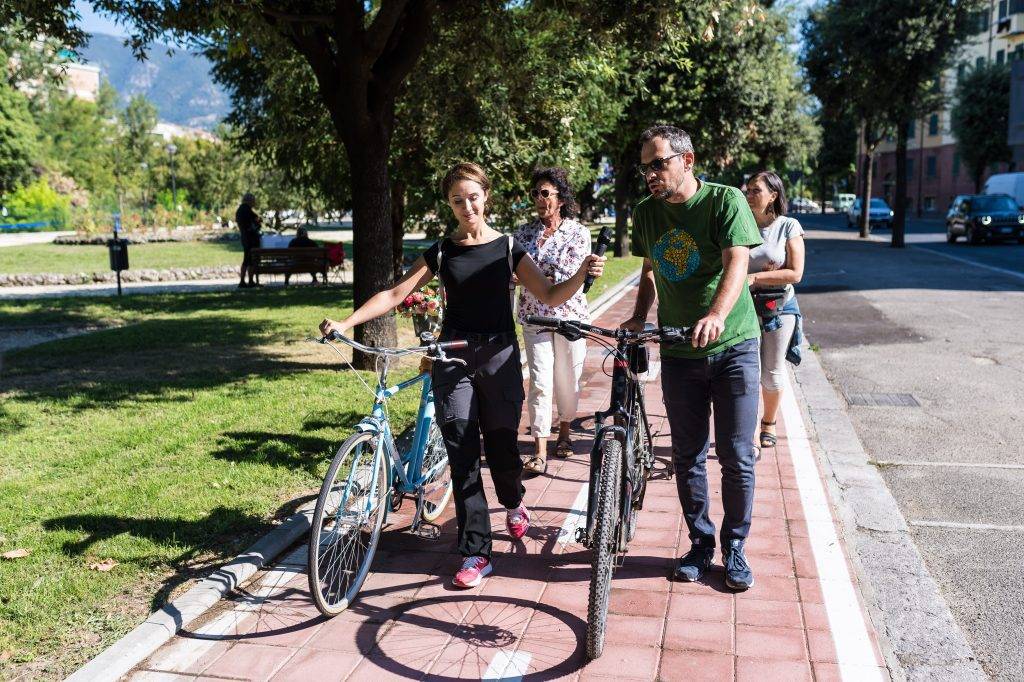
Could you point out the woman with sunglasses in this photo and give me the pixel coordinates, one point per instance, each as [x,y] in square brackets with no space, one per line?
[559,245]
[484,396]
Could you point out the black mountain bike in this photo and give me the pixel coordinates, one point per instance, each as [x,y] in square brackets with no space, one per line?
[621,461]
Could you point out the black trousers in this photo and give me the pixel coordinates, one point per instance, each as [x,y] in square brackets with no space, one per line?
[483,397]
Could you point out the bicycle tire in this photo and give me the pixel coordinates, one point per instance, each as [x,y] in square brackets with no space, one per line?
[603,546]
[438,487]
[335,577]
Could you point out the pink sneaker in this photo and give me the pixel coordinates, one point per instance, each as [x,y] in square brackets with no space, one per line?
[474,568]
[518,521]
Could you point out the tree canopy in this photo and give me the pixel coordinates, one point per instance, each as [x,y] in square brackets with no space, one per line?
[981,106]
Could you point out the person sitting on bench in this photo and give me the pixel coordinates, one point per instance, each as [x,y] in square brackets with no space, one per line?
[302,241]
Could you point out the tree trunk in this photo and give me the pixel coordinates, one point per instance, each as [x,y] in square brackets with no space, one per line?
[373,265]
[623,184]
[397,226]
[865,192]
[899,207]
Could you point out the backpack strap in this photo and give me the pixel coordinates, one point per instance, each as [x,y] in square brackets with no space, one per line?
[440,281]
[511,273]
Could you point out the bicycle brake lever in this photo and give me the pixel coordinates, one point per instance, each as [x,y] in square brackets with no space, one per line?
[442,357]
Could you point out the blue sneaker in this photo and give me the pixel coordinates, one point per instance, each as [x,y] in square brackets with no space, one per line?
[738,575]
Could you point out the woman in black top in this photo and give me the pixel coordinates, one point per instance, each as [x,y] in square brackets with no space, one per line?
[476,265]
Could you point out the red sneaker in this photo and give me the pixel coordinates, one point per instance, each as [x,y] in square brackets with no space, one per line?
[473,570]
[518,521]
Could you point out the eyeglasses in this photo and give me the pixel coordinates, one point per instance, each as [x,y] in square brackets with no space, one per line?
[542,193]
[656,165]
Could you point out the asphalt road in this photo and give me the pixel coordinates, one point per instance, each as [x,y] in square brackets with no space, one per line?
[943,323]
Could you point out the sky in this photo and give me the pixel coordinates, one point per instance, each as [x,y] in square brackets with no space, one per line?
[97,23]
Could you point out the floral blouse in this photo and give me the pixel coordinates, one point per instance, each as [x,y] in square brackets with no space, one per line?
[559,258]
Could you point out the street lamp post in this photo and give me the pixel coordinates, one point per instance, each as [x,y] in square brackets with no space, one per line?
[171,151]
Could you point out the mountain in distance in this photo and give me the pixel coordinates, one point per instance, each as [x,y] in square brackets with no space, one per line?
[179,83]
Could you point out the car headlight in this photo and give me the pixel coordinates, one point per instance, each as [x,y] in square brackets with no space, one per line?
[891,214]
[1020,219]
[985,220]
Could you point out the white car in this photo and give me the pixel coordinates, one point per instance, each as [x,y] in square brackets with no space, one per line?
[804,205]
[879,214]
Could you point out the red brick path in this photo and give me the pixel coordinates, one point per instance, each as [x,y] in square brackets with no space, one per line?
[528,618]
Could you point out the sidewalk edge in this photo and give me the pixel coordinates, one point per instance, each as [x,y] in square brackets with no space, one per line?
[123,655]
[918,636]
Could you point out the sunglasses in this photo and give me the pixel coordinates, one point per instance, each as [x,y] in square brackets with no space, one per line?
[542,193]
[656,164]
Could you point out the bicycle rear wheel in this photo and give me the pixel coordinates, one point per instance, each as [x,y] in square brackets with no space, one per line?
[347,523]
[437,484]
[605,522]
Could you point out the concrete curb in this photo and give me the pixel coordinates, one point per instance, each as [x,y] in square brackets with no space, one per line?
[918,636]
[118,659]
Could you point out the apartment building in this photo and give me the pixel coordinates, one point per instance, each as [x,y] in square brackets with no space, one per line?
[935,173]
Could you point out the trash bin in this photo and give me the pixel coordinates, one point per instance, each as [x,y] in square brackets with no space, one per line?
[118,254]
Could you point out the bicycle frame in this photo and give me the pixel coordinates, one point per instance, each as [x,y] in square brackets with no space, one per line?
[625,391]
[403,466]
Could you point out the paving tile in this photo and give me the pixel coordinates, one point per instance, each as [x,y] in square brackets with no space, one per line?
[810,591]
[705,607]
[349,636]
[664,520]
[806,566]
[158,676]
[633,630]
[318,664]
[624,662]
[770,642]
[758,670]
[771,565]
[767,613]
[655,537]
[187,655]
[822,647]
[694,666]
[412,646]
[716,638]
[772,527]
[250,661]
[280,627]
[815,616]
[382,670]
[772,588]
[638,602]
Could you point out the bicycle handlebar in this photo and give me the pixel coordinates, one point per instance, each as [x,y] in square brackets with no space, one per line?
[434,349]
[667,335]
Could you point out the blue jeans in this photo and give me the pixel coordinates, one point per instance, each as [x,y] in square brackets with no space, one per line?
[729,381]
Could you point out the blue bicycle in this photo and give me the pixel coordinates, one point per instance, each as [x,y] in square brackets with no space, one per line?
[370,476]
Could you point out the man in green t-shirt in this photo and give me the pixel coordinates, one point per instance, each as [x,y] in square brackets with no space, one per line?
[695,239]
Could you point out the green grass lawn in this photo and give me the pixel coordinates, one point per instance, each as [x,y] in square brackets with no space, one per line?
[68,259]
[167,441]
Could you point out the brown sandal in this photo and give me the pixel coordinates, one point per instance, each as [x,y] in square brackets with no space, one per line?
[563,447]
[768,439]
[536,465]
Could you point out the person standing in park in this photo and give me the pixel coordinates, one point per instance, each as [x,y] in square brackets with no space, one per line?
[485,395]
[777,263]
[695,239]
[559,245]
[249,223]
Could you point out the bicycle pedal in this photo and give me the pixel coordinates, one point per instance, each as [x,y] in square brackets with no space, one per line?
[581,537]
[428,530]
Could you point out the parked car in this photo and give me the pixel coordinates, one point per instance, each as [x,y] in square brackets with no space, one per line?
[984,217]
[878,214]
[843,201]
[804,205]
[1011,184]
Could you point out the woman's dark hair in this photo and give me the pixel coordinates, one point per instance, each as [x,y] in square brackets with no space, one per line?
[774,183]
[560,179]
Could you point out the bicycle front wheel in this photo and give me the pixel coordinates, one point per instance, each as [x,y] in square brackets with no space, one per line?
[605,522]
[437,476]
[347,523]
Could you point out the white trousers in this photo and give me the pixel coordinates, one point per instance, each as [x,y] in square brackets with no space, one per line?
[556,365]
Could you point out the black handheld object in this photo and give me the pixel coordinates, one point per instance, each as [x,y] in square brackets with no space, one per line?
[604,238]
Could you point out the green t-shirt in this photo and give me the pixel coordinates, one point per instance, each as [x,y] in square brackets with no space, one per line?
[684,243]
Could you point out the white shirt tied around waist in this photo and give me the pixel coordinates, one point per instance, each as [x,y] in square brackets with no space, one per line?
[559,258]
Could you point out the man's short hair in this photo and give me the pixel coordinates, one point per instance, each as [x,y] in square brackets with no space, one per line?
[248,198]
[678,139]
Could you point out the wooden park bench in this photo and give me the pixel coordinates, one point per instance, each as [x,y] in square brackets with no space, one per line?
[291,261]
